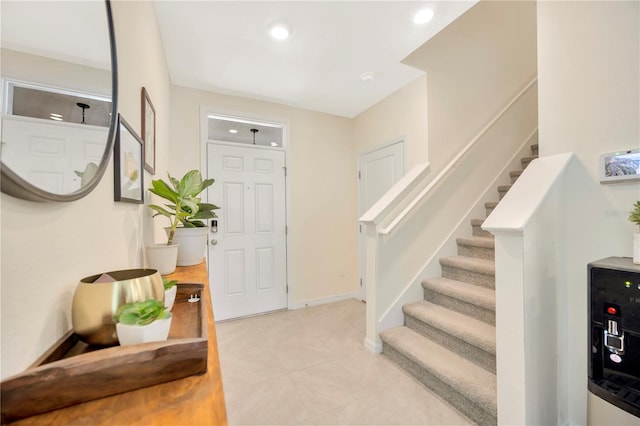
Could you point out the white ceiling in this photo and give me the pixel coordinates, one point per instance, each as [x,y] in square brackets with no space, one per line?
[224,46]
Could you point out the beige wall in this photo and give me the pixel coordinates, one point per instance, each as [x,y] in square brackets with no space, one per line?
[401,115]
[321,182]
[589,104]
[494,59]
[28,68]
[47,248]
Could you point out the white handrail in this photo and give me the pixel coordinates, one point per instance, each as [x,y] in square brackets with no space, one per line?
[453,163]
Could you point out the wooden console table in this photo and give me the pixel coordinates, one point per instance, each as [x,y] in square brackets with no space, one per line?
[193,401]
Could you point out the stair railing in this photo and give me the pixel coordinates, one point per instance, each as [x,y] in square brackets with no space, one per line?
[383,205]
[393,266]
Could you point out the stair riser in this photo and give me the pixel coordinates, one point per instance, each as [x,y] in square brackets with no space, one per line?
[489,210]
[501,194]
[534,150]
[478,312]
[463,348]
[477,231]
[478,252]
[472,277]
[514,179]
[453,397]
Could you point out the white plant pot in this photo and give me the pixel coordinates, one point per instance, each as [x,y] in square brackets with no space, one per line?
[134,334]
[162,257]
[636,248]
[193,243]
[170,297]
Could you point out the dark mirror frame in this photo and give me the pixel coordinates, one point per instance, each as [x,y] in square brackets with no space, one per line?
[16,186]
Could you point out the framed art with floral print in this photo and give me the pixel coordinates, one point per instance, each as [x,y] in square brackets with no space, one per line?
[127,161]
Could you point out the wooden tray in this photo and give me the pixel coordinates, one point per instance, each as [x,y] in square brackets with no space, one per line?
[71,371]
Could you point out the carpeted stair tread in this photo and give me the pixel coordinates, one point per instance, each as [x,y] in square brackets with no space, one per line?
[534,149]
[470,293]
[472,264]
[461,326]
[490,205]
[477,231]
[477,242]
[526,160]
[474,382]
[504,188]
[481,247]
[515,173]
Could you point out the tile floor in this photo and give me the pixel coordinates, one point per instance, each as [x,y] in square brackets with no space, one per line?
[309,367]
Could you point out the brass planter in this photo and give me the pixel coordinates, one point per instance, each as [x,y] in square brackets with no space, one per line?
[95,304]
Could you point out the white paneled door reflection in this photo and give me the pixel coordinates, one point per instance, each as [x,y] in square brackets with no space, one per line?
[247,271]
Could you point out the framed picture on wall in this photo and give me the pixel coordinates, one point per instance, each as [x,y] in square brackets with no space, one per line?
[127,161]
[149,132]
[620,167]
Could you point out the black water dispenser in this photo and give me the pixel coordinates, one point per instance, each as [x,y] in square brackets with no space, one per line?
[614,332]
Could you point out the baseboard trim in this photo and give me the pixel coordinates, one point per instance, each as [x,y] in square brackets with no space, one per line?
[374,347]
[323,300]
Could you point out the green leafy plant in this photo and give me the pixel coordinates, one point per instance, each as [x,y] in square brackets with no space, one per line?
[168,284]
[634,215]
[185,207]
[141,313]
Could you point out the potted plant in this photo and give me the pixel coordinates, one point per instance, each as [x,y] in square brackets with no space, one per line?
[170,291]
[142,322]
[185,209]
[634,216]
[162,257]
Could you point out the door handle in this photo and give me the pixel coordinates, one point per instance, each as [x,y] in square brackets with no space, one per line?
[214,242]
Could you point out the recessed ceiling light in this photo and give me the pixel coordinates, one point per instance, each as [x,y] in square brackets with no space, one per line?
[367,76]
[279,31]
[423,16]
[233,131]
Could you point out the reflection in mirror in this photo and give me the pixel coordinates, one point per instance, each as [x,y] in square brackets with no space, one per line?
[58,106]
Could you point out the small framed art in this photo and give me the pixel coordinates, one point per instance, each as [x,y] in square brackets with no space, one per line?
[127,160]
[149,132]
[620,167]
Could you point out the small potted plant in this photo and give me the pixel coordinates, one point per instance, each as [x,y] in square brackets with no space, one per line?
[634,216]
[170,291]
[185,209]
[142,322]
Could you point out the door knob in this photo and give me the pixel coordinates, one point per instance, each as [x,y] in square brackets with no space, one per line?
[214,242]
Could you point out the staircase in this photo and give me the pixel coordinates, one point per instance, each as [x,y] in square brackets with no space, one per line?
[448,341]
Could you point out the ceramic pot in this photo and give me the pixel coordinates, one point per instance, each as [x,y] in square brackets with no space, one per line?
[636,248]
[97,298]
[170,297]
[193,243]
[134,334]
[162,257]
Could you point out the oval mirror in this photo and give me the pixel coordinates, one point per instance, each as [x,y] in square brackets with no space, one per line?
[59,97]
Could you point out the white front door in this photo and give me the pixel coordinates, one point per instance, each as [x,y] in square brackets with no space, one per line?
[247,254]
[378,171]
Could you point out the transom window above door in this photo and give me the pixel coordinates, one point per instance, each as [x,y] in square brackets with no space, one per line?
[244,131]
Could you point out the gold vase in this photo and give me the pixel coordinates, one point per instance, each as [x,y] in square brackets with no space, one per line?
[95,303]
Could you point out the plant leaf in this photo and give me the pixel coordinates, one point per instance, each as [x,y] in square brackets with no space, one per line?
[191,184]
[160,188]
